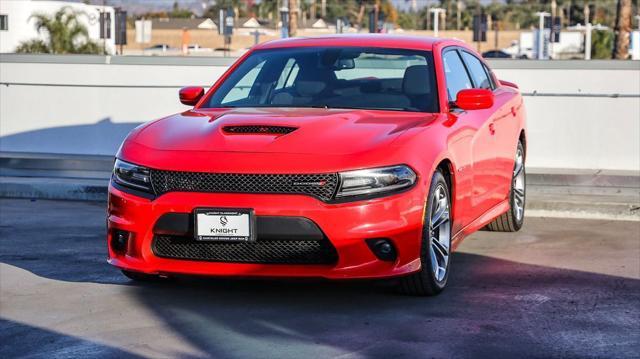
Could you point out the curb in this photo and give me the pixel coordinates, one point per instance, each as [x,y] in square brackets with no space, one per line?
[50,188]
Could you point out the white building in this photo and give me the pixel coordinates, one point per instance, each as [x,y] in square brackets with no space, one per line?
[16,25]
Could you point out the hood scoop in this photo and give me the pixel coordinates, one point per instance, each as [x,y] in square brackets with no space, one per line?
[259,129]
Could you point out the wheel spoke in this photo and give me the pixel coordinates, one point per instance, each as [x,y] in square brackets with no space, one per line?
[519,193]
[434,262]
[439,218]
[519,164]
[440,249]
[517,168]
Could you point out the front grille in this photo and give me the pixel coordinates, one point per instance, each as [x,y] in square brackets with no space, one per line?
[278,130]
[322,186]
[260,251]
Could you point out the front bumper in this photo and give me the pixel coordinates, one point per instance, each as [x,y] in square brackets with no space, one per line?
[346,225]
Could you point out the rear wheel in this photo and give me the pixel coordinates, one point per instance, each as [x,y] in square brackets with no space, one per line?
[435,252]
[512,220]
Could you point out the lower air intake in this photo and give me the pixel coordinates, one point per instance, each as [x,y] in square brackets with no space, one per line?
[260,251]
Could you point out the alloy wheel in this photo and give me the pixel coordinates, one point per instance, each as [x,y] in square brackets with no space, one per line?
[439,233]
[519,184]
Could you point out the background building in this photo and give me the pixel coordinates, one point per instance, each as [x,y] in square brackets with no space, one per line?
[17,26]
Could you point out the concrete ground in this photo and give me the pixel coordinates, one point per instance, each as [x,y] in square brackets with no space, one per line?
[559,288]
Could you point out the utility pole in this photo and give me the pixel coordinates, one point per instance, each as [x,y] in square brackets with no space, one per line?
[541,16]
[587,42]
[436,16]
[495,34]
[323,9]
[622,30]
[554,6]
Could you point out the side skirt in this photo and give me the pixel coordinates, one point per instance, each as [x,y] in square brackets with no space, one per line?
[479,222]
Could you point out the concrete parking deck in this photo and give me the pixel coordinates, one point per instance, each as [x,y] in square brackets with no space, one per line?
[558,288]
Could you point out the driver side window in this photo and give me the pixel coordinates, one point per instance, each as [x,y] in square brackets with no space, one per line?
[455,73]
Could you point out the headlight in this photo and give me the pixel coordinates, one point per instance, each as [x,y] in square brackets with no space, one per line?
[132,176]
[375,181]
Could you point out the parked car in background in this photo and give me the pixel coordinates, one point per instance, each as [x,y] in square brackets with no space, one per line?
[359,156]
[496,54]
[163,47]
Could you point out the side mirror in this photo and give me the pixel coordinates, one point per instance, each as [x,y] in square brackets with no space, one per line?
[474,99]
[507,83]
[191,95]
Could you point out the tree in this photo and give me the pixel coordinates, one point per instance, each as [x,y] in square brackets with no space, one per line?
[65,34]
[178,12]
[267,9]
[601,44]
[238,6]
[623,28]
[293,17]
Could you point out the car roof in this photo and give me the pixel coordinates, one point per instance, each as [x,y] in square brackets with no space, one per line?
[359,40]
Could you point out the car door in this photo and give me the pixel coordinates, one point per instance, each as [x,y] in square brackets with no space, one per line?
[478,143]
[503,124]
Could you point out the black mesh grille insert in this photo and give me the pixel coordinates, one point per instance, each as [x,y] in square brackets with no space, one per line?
[279,130]
[322,186]
[265,251]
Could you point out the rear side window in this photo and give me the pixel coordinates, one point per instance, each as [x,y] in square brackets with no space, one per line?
[478,73]
[491,76]
[455,74]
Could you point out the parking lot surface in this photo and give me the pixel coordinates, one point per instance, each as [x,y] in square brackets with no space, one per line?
[559,288]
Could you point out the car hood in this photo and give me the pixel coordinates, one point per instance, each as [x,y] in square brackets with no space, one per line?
[313,131]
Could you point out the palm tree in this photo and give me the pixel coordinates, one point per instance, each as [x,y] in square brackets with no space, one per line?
[623,28]
[65,34]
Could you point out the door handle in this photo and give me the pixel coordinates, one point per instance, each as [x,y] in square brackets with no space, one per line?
[492,128]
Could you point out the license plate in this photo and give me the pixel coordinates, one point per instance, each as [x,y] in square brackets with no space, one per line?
[224,225]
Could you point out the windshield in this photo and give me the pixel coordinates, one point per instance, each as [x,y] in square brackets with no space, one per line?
[352,77]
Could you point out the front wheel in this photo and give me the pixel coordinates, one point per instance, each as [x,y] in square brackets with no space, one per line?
[512,220]
[435,252]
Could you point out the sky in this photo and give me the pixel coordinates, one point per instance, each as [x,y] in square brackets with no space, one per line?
[140,6]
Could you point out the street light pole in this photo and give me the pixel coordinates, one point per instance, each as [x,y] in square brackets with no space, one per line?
[104,27]
[587,35]
[587,42]
[541,16]
[436,17]
[284,19]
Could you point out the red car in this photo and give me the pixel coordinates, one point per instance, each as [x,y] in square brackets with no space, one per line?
[338,157]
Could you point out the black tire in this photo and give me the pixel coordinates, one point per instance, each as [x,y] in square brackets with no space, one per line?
[424,282]
[509,221]
[140,277]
